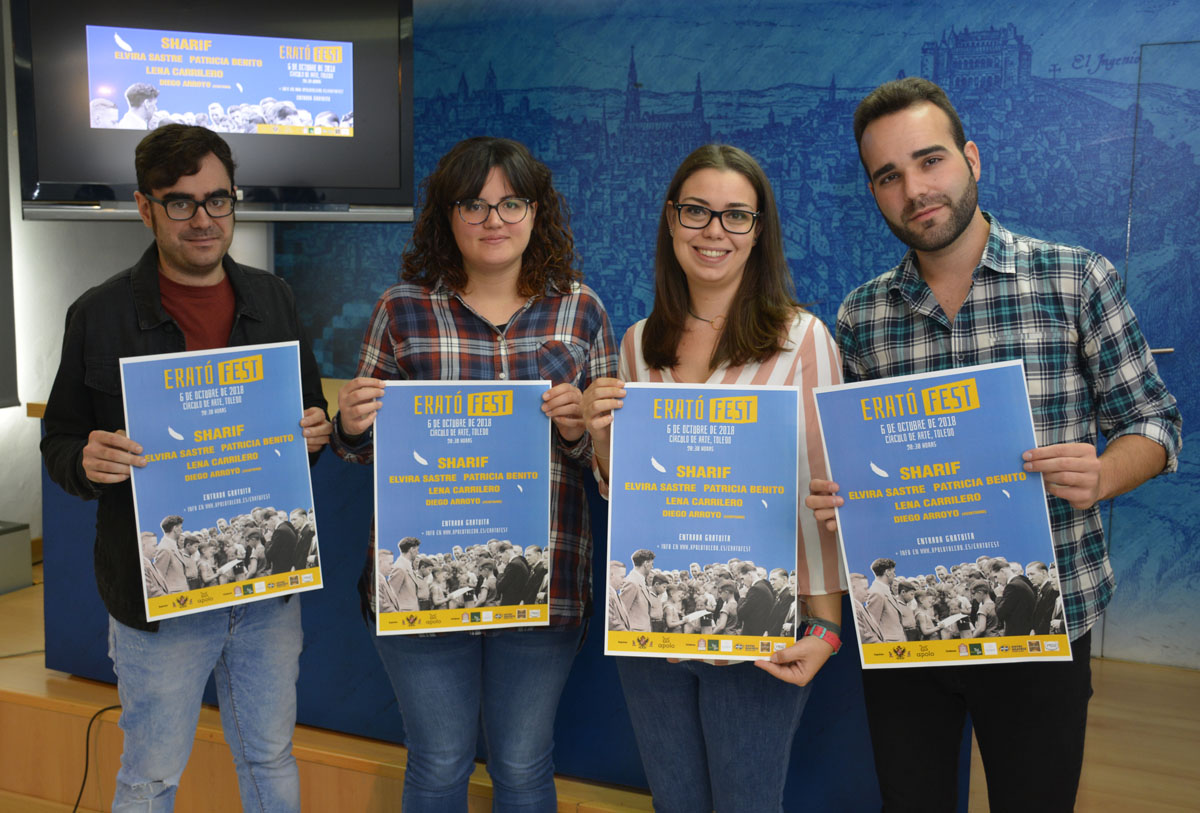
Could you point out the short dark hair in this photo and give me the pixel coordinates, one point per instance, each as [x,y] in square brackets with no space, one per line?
[881,566]
[137,93]
[168,153]
[904,587]
[433,254]
[765,302]
[408,543]
[641,556]
[1040,567]
[170,522]
[981,585]
[900,94]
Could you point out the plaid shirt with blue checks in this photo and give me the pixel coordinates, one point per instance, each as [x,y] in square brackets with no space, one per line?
[1061,309]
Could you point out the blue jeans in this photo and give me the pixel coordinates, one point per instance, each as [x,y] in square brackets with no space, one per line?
[253,651]
[445,685]
[712,737]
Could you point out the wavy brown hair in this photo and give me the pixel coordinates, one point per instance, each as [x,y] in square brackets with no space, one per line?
[765,302]
[432,255]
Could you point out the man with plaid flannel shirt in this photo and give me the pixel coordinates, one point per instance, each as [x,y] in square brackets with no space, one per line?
[970,292]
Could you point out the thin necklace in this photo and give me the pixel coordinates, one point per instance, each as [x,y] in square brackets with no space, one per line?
[716,323]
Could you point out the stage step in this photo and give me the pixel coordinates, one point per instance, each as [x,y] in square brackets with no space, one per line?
[44,716]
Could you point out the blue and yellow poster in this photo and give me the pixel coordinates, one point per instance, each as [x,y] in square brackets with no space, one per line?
[946,539]
[224,505]
[462,506]
[139,79]
[702,522]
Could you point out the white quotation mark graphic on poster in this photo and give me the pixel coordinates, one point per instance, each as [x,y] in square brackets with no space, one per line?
[657,466]
[879,471]
[419,459]
[174,434]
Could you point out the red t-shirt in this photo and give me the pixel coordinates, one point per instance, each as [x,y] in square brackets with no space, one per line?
[203,312]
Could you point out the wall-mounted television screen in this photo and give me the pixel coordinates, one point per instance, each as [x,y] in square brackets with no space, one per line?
[314,98]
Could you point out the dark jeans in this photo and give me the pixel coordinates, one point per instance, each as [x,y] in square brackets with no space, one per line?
[1029,721]
[712,737]
[512,679]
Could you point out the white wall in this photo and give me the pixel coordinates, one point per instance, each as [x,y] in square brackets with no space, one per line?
[54,262]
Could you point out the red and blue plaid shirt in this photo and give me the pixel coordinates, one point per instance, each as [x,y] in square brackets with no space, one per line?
[433,335]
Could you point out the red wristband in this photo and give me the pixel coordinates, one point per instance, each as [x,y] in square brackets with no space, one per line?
[827,635]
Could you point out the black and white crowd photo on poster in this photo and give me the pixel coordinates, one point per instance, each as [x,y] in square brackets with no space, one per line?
[263,542]
[720,598]
[496,574]
[987,598]
[143,113]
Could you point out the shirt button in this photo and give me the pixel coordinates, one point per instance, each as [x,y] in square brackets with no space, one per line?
[503,376]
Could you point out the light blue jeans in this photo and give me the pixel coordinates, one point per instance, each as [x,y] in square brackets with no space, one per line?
[253,651]
[712,737]
[510,679]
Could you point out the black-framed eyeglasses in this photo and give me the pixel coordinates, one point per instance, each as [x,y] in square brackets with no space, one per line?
[474,211]
[734,221]
[185,208]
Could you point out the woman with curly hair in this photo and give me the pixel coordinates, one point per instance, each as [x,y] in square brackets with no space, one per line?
[489,291]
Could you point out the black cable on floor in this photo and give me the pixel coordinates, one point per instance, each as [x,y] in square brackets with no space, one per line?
[87,738]
[21,654]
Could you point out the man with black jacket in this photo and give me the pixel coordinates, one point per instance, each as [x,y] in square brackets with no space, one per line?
[185,293]
[1014,607]
[515,577]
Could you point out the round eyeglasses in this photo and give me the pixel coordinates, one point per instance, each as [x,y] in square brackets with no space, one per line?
[474,211]
[734,221]
[185,208]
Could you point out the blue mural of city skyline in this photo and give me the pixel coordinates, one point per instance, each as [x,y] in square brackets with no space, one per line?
[1076,146]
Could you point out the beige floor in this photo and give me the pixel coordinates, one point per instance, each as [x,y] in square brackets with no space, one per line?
[1143,746]
[1143,742]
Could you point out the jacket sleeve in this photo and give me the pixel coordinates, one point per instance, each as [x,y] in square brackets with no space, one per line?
[311,390]
[70,415]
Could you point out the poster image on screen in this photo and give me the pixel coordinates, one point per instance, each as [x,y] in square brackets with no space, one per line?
[314,100]
[227,83]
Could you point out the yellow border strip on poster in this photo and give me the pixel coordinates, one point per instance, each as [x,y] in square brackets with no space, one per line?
[466,618]
[303,129]
[695,645]
[234,592]
[970,650]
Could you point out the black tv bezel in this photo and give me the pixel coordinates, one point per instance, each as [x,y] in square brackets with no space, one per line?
[262,203]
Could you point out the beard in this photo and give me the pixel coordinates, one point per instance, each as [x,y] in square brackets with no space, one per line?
[937,238]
